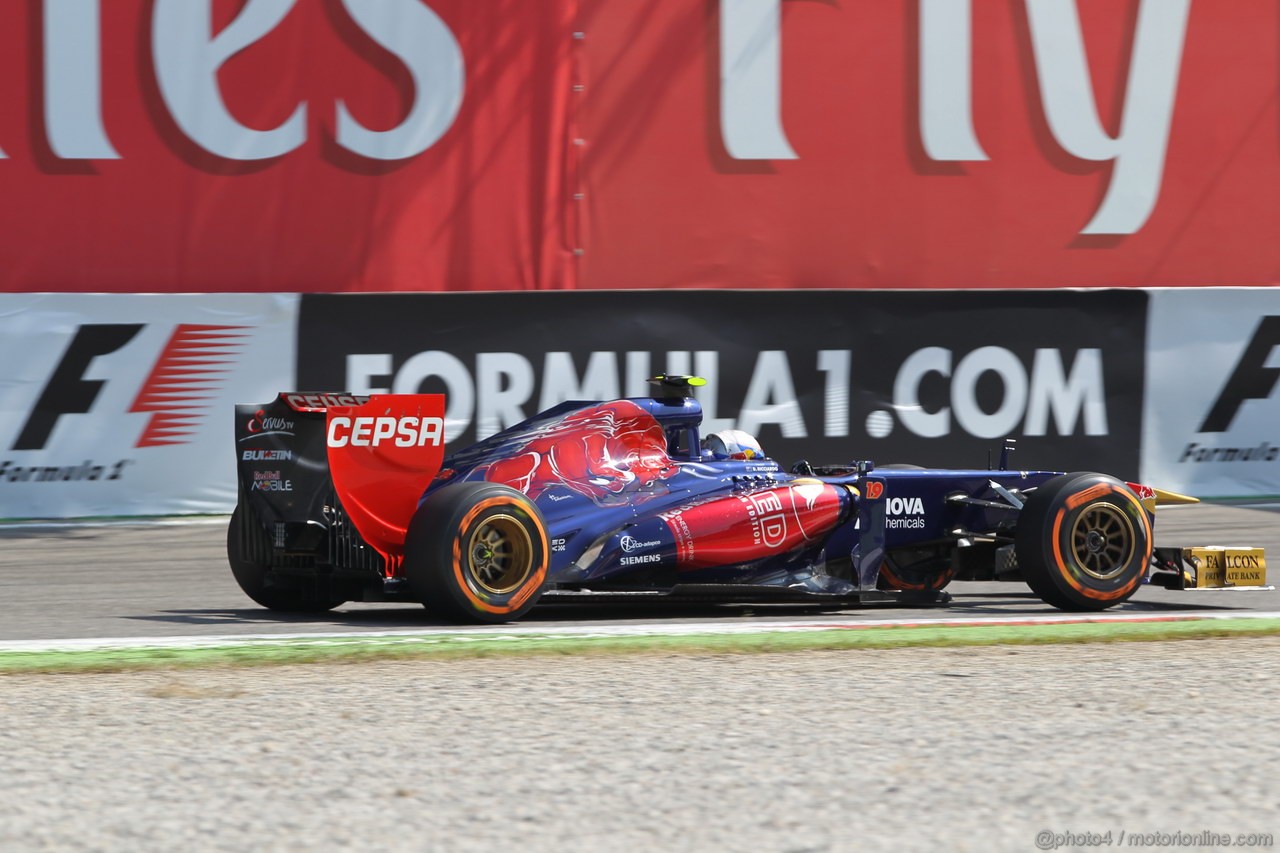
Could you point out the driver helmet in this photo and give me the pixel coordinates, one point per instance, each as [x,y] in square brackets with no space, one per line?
[732,444]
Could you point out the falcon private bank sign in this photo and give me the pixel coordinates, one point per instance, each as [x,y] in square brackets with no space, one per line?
[490,144]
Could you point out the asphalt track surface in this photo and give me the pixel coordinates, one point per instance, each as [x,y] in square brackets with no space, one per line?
[71,581]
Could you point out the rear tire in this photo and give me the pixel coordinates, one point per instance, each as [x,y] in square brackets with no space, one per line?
[916,570]
[477,552]
[1083,542]
[248,552]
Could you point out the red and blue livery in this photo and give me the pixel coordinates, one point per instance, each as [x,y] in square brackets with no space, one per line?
[347,498]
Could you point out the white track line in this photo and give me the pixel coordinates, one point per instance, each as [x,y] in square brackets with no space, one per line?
[598,632]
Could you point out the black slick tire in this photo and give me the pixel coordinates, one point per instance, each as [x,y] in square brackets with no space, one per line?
[477,552]
[248,553]
[1083,542]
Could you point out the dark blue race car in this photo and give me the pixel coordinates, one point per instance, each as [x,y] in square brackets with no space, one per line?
[346,498]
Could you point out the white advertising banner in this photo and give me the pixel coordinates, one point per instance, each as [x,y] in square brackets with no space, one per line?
[1211,419]
[122,404]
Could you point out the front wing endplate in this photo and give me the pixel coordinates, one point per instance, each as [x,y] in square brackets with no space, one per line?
[1212,567]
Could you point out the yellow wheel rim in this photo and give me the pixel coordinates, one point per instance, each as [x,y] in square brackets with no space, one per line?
[1103,541]
[500,554]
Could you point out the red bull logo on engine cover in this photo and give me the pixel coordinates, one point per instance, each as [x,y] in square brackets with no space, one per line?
[610,453]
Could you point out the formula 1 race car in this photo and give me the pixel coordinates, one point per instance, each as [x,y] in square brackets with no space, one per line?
[346,498]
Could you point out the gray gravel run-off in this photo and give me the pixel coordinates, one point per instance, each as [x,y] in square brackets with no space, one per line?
[926,749]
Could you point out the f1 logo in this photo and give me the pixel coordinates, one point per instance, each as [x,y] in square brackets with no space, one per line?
[175,392]
[1254,378]
[68,392]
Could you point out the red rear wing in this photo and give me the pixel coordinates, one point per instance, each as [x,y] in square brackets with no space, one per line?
[382,455]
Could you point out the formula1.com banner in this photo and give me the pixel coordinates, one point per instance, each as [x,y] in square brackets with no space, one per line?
[925,378]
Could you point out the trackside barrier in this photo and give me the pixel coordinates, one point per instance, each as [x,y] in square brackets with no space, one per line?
[925,378]
[121,405]
[1211,419]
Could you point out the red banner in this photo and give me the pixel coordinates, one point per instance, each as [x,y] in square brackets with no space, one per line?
[905,174]
[331,145]
[284,145]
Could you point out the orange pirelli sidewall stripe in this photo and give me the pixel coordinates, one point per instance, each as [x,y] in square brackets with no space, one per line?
[1100,490]
[535,580]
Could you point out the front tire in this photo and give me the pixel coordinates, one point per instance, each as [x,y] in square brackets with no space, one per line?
[249,555]
[1083,542]
[477,552]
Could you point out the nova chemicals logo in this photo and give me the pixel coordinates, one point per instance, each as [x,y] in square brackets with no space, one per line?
[904,514]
